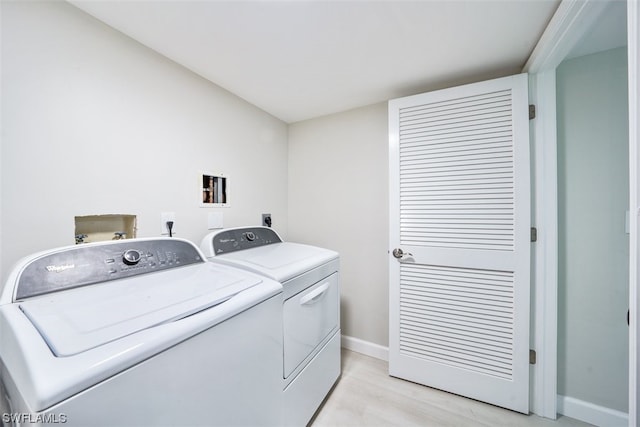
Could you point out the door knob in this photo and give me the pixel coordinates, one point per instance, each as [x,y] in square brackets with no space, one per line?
[399,253]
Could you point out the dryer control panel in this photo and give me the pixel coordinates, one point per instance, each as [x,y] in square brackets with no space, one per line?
[237,239]
[100,262]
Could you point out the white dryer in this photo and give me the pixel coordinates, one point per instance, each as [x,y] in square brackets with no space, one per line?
[311,313]
[139,332]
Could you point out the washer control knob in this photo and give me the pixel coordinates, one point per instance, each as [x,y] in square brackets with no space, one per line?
[250,236]
[131,257]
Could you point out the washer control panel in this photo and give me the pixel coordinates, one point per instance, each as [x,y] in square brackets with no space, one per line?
[243,238]
[94,263]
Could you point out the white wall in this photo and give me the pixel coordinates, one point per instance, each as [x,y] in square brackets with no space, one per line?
[95,123]
[593,188]
[338,198]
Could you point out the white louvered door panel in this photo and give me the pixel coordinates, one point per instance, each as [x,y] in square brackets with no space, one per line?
[460,211]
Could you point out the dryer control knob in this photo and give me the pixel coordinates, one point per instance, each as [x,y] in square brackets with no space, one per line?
[250,236]
[131,257]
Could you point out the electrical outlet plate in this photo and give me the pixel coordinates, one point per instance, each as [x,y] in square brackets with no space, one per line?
[214,220]
[264,217]
[164,217]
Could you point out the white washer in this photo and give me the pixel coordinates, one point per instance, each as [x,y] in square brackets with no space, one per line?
[311,313]
[139,332]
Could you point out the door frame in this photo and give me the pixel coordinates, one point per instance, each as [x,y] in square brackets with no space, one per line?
[633,43]
[571,21]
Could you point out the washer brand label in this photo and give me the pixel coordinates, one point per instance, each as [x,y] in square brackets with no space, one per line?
[59,268]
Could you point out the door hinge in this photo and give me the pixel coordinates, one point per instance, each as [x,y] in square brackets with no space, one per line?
[534,234]
[532,112]
[532,357]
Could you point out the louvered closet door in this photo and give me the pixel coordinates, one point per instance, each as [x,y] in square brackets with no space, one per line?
[460,212]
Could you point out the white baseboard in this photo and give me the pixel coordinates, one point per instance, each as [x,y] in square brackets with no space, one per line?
[365,347]
[590,413]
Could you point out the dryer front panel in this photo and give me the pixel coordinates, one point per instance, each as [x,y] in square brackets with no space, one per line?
[309,317]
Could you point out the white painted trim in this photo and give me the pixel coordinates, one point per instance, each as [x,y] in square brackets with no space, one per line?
[570,22]
[590,413]
[633,43]
[365,347]
[544,324]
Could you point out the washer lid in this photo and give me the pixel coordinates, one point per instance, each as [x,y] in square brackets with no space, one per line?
[279,261]
[79,319]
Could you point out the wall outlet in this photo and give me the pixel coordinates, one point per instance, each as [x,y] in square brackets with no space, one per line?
[214,220]
[164,217]
[266,220]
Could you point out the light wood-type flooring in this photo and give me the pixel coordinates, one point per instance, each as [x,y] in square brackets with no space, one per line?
[366,395]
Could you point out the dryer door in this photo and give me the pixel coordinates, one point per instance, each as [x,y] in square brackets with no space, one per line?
[309,317]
